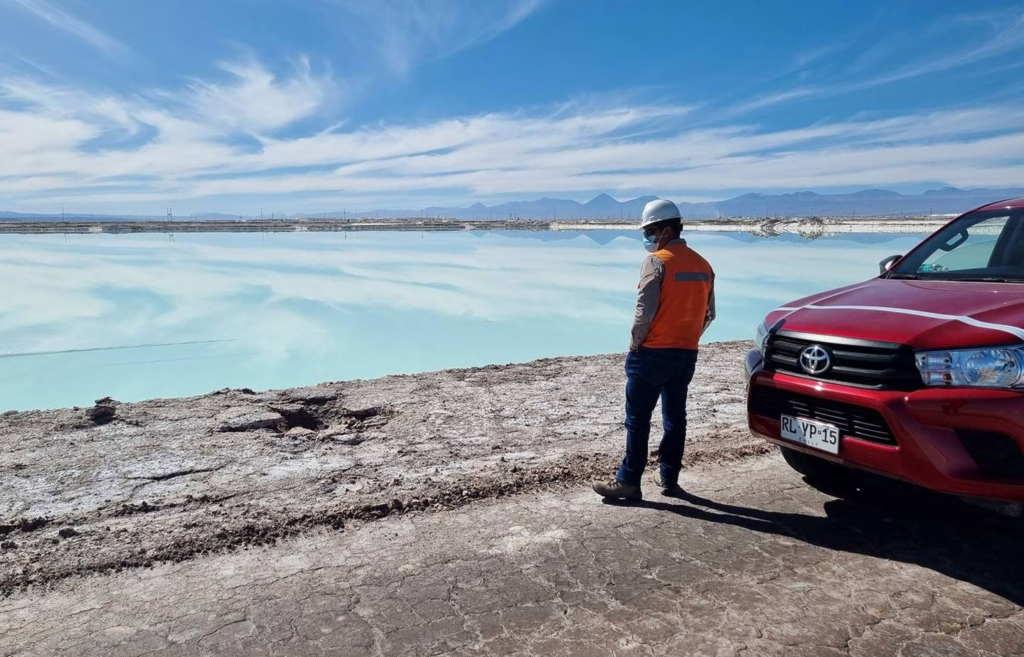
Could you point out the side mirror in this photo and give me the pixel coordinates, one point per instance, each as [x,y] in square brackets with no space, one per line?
[887,263]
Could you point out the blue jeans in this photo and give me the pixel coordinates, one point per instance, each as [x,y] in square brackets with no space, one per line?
[650,374]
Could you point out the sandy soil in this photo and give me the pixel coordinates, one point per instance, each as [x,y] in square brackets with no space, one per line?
[118,486]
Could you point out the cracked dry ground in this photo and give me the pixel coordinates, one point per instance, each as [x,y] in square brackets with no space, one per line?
[447,513]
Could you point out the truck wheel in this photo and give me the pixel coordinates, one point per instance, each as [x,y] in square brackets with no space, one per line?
[820,473]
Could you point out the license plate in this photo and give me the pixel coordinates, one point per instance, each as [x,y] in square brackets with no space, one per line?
[813,434]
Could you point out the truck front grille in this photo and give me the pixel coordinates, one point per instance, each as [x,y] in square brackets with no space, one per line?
[851,420]
[876,365]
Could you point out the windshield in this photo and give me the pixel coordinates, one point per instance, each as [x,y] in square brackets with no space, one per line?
[980,246]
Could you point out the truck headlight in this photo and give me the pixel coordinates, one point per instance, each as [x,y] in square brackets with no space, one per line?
[1001,367]
[761,337]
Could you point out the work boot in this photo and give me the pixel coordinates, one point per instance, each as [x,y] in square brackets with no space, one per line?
[616,490]
[668,489]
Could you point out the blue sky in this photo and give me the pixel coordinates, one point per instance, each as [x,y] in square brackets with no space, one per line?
[318,105]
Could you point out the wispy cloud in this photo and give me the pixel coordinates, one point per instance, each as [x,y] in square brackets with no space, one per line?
[771,99]
[403,33]
[1006,36]
[256,100]
[808,57]
[65,21]
[183,153]
[988,36]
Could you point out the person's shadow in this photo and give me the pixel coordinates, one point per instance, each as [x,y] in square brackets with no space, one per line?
[895,521]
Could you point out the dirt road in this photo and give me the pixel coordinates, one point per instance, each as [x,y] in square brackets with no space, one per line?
[758,564]
[449,513]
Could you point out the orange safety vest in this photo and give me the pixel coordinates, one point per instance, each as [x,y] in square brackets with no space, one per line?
[683,303]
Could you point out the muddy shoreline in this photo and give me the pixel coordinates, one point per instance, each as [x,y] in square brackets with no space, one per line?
[118,486]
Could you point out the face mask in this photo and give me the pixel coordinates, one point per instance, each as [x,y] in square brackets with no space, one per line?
[650,244]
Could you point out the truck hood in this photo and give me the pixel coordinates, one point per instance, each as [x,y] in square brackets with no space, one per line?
[923,314]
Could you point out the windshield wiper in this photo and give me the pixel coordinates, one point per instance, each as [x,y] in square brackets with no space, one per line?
[904,277]
[985,279]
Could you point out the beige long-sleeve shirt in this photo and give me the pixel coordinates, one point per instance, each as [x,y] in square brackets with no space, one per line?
[652,275]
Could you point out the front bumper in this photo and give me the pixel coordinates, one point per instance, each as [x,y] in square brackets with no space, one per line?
[929,427]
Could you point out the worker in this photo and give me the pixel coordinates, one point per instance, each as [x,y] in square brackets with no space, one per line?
[675,305]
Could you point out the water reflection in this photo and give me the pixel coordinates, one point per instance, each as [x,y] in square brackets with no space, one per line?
[283,309]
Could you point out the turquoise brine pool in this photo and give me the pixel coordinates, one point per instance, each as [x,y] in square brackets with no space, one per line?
[142,316]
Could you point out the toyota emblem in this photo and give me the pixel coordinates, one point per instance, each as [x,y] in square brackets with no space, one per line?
[815,360]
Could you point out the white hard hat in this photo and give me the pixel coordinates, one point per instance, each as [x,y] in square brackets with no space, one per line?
[658,211]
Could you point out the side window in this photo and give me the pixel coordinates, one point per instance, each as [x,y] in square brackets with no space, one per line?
[969,249]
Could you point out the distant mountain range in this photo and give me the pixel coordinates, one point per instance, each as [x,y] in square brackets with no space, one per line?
[869,202]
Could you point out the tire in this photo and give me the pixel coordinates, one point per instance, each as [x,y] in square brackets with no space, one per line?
[822,474]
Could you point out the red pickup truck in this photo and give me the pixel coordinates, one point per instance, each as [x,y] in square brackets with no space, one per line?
[917,374]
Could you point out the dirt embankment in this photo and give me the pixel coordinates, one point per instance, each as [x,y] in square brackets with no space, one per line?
[118,486]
